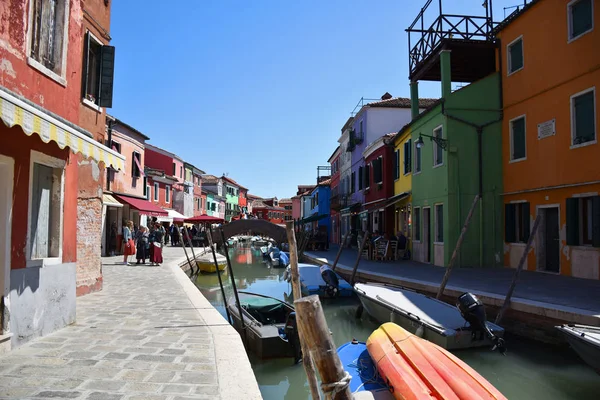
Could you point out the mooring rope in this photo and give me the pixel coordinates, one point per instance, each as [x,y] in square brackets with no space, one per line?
[331,389]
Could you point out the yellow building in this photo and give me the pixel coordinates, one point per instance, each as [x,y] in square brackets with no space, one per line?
[403,166]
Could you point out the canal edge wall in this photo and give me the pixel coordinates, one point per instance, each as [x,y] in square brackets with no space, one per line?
[235,376]
[531,319]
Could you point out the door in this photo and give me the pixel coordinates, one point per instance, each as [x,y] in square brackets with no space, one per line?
[6,193]
[552,239]
[427,234]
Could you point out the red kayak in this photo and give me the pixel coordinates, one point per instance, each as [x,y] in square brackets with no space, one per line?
[417,369]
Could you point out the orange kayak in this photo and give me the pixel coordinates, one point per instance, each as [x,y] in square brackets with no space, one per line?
[417,369]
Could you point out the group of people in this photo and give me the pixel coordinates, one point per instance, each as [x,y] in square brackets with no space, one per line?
[143,242]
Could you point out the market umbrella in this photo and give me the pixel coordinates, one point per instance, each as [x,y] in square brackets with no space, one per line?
[204,218]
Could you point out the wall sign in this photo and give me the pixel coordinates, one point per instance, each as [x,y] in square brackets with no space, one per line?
[546,129]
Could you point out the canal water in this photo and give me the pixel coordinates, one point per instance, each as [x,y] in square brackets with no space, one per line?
[529,370]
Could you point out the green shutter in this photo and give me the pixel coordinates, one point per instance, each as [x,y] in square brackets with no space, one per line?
[581,17]
[516,56]
[395,165]
[525,218]
[107,71]
[584,117]
[361,171]
[509,223]
[409,163]
[518,138]
[596,221]
[573,221]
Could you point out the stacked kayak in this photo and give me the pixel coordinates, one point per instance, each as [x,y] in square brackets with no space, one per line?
[416,369]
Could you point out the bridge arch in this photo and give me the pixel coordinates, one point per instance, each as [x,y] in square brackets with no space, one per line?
[257,226]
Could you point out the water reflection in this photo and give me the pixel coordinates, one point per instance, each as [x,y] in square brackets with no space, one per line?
[529,370]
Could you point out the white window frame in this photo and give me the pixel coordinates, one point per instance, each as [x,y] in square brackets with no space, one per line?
[148,192]
[510,129]
[591,142]
[416,171]
[570,22]
[167,194]
[85,101]
[435,146]
[32,62]
[435,222]
[56,163]
[156,190]
[508,71]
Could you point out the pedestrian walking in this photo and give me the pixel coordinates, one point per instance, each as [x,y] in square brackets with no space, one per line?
[141,244]
[128,243]
[156,246]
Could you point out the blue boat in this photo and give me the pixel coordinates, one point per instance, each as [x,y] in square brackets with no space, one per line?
[366,382]
[321,281]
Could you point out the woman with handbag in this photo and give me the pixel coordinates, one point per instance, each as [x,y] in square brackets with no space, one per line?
[128,243]
[156,241]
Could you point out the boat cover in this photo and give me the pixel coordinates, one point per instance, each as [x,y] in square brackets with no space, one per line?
[265,310]
[310,276]
[357,362]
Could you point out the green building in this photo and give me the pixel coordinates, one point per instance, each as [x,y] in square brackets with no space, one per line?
[457,153]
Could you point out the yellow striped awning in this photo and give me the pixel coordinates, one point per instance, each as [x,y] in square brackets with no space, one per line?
[33,119]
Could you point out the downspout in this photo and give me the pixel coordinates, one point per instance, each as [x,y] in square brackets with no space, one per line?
[109,144]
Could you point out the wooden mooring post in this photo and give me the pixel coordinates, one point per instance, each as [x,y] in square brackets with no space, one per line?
[360,249]
[457,249]
[309,368]
[318,341]
[522,262]
[214,254]
[185,251]
[337,257]
[187,234]
[235,292]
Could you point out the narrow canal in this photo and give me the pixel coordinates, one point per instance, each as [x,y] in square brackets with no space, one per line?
[530,370]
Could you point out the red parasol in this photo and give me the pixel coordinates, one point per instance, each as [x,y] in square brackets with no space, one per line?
[203,218]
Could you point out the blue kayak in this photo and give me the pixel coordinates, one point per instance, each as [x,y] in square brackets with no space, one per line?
[357,362]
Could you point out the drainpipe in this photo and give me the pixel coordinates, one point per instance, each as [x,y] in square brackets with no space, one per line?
[445,73]
[414,99]
[109,144]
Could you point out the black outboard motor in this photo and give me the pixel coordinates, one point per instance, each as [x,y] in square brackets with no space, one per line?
[289,333]
[332,282]
[473,311]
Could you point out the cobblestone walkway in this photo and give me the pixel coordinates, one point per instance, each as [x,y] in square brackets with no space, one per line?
[139,338]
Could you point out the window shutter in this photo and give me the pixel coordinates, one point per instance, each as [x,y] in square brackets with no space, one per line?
[86,49]
[509,223]
[596,221]
[107,72]
[409,163]
[525,217]
[518,139]
[581,17]
[584,117]
[361,173]
[516,55]
[133,166]
[395,164]
[572,221]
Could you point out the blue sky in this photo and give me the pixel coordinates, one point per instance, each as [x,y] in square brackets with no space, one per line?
[260,89]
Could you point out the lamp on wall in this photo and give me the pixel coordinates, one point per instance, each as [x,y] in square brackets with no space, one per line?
[443,143]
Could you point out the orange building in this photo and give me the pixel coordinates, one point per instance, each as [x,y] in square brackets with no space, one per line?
[550,67]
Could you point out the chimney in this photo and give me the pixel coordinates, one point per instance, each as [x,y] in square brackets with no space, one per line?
[386,96]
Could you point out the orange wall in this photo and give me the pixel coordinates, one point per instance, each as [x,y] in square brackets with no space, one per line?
[553,71]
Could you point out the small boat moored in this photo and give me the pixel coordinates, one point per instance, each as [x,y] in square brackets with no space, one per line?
[585,340]
[417,369]
[206,262]
[460,327]
[366,382]
[322,281]
[270,326]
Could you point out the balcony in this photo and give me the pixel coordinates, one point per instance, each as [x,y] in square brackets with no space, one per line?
[470,38]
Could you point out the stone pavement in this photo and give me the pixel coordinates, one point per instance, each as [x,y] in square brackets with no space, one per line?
[149,334]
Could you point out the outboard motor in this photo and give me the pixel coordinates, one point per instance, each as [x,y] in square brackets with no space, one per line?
[289,333]
[332,282]
[473,311]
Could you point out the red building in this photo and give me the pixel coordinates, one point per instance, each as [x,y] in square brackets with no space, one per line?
[334,205]
[243,200]
[378,184]
[52,168]
[287,205]
[268,209]
[199,198]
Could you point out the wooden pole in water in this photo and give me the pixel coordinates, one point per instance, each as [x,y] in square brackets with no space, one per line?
[457,248]
[185,251]
[235,292]
[519,269]
[212,248]
[337,257]
[187,234]
[360,249]
[309,368]
[335,381]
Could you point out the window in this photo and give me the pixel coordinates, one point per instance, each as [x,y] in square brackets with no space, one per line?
[583,221]
[417,228]
[116,146]
[174,169]
[181,171]
[148,192]
[396,166]
[361,135]
[516,222]
[407,156]
[583,117]
[417,159]
[167,194]
[367,176]
[98,72]
[136,163]
[353,182]
[155,191]
[515,55]
[46,206]
[439,223]
[378,170]
[517,139]
[49,22]
[580,17]
[438,152]
[361,177]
